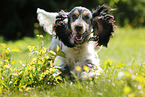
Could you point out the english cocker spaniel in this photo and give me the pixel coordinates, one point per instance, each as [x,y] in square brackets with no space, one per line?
[80,34]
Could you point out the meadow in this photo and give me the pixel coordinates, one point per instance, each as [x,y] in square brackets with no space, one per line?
[123,62]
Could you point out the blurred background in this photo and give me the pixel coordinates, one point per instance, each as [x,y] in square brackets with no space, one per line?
[19,18]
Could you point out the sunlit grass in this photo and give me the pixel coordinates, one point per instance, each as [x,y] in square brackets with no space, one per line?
[127,45]
[23,46]
[122,62]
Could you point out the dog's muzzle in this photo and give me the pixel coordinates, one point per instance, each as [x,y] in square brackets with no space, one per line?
[80,38]
[78,28]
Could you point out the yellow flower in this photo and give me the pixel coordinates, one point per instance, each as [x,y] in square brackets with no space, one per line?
[28,88]
[4,45]
[57,48]
[85,76]
[51,63]
[86,68]
[30,54]
[78,68]
[1,62]
[15,74]
[39,62]
[15,49]
[13,62]
[96,67]
[42,51]
[7,51]
[37,35]
[20,62]
[126,90]
[41,36]
[7,66]
[31,48]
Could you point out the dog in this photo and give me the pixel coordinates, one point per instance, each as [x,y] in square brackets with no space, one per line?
[80,34]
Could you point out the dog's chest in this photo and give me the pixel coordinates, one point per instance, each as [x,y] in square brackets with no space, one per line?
[77,55]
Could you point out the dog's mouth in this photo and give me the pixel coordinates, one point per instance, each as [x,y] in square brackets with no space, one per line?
[80,38]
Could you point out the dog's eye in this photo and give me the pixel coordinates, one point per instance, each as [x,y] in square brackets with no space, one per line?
[86,17]
[74,17]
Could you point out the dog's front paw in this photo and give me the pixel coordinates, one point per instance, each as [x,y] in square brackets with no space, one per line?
[91,74]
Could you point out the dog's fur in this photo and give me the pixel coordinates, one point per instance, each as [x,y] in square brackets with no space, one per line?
[80,34]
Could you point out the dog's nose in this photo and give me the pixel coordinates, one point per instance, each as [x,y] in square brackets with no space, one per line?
[78,27]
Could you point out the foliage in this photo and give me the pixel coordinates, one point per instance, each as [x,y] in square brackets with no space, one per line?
[122,62]
[18,21]
[35,72]
[117,80]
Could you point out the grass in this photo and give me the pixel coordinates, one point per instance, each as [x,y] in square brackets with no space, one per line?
[122,61]
[127,45]
[23,46]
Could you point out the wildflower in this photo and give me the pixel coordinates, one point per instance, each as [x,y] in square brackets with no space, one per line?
[4,45]
[31,48]
[37,35]
[16,49]
[96,67]
[42,51]
[7,66]
[20,62]
[120,74]
[86,68]
[51,63]
[13,62]
[41,36]
[57,48]
[1,62]
[7,51]
[85,77]
[78,68]
[1,89]
[28,88]
[99,71]
[30,54]
[15,74]
[126,90]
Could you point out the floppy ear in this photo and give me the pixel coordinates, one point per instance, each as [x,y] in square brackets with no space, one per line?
[46,19]
[103,24]
[62,30]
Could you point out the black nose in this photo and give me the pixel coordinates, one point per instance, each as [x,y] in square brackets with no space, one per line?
[78,27]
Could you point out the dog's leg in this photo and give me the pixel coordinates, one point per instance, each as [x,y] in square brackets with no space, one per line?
[94,69]
[65,72]
[54,42]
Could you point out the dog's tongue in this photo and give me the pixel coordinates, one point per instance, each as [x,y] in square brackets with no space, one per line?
[77,37]
[74,36]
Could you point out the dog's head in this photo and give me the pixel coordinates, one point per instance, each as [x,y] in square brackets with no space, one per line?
[75,27]
[80,21]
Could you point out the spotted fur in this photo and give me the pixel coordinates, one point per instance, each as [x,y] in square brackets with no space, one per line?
[80,34]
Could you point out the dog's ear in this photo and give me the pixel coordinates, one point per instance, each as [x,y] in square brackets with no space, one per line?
[46,19]
[103,24]
[62,30]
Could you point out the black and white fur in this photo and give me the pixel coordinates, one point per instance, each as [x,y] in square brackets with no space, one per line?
[80,34]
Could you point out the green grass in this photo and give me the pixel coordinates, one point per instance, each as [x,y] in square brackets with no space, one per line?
[127,45]
[23,46]
[124,54]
